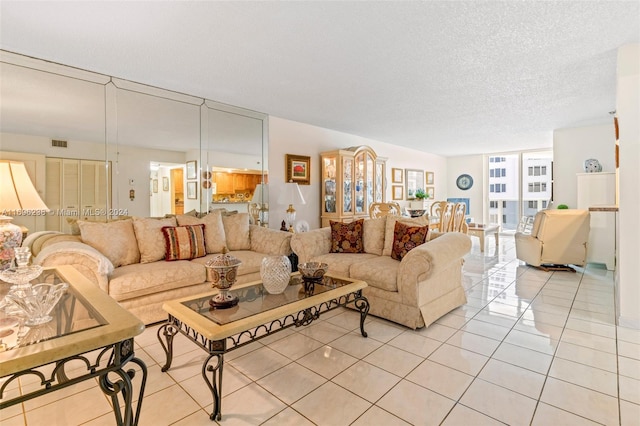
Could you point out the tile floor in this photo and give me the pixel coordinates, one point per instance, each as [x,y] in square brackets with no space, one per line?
[529,348]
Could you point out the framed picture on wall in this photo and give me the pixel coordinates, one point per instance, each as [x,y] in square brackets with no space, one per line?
[155,185]
[298,169]
[165,183]
[430,190]
[397,192]
[192,190]
[396,175]
[429,178]
[191,169]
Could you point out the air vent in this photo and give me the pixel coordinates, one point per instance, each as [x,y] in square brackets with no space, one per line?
[59,144]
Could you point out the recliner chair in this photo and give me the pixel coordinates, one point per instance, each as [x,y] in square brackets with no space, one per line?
[558,239]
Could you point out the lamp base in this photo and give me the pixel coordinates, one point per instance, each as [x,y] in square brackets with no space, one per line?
[10,238]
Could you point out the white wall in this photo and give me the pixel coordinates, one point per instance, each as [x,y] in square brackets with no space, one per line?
[571,146]
[628,111]
[290,137]
[475,166]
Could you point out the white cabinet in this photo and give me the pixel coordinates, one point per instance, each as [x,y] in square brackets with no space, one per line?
[596,192]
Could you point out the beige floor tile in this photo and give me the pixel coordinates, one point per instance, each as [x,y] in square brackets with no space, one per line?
[339,406]
[593,316]
[323,332]
[540,317]
[629,367]
[492,331]
[295,346]
[366,380]
[504,405]
[197,388]
[287,417]
[259,363]
[327,361]
[502,309]
[630,389]
[414,343]
[589,340]
[199,418]
[291,382]
[52,397]
[465,416]
[512,377]
[437,332]
[355,345]
[441,379]
[65,411]
[590,327]
[591,357]
[17,420]
[534,342]
[14,410]
[474,343]
[382,330]
[186,365]
[459,359]
[629,350]
[393,360]
[415,404]
[250,405]
[629,414]
[629,335]
[348,319]
[495,318]
[581,401]
[377,416]
[583,375]
[546,415]
[452,320]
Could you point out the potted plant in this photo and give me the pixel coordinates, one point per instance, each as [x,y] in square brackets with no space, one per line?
[420,196]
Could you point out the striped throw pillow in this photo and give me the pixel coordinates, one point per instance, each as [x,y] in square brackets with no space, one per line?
[184,242]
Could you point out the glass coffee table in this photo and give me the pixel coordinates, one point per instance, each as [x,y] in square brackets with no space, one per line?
[257,315]
[88,328]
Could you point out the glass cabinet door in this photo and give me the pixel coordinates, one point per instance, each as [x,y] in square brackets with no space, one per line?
[369,182]
[347,206]
[379,191]
[329,189]
[359,181]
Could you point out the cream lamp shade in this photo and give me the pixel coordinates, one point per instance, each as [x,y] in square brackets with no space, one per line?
[291,195]
[17,195]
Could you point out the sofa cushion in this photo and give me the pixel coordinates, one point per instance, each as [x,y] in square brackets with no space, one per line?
[152,279]
[347,237]
[150,238]
[391,225]
[236,229]
[373,235]
[379,272]
[251,261]
[115,240]
[340,263]
[184,242]
[406,237]
[214,235]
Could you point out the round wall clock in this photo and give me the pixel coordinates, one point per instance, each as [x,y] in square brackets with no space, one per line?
[464,182]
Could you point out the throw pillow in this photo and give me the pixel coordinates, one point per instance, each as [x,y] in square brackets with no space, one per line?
[373,235]
[214,235]
[407,237]
[115,240]
[150,237]
[236,229]
[390,227]
[347,237]
[184,242]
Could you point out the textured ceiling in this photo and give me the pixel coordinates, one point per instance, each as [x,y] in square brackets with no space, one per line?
[451,78]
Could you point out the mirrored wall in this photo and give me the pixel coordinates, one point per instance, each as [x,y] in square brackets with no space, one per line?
[98,147]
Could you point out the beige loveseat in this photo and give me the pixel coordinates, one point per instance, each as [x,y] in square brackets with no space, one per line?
[423,286]
[125,258]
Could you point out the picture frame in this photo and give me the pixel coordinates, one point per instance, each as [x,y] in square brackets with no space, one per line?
[430,190]
[414,180]
[192,190]
[192,167]
[155,185]
[396,175]
[397,192]
[429,176]
[165,183]
[298,169]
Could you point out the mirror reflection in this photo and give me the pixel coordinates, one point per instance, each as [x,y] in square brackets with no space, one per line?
[98,147]
[414,181]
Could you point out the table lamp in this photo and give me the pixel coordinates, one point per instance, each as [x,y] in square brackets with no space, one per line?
[17,195]
[291,195]
[261,201]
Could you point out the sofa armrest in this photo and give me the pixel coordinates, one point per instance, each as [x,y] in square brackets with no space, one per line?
[428,260]
[307,245]
[87,260]
[528,248]
[270,241]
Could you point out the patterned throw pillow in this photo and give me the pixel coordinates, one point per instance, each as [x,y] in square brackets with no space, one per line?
[406,238]
[184,242]
[347,237]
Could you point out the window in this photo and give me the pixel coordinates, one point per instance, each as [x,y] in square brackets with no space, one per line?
[497,187]
[533,204]
[504,204]
[492,188]
[504,173]
[543,187]
[543,170]
[504,218]
[493,204]
[544,204]
[491,173]
[504,187]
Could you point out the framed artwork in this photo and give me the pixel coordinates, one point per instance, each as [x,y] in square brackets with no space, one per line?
[414,181]
[430,190]
[429,177]
[397,192]
[155,185]
[191,169]
[396,175]
[298,169]
[192,189]
[165,183]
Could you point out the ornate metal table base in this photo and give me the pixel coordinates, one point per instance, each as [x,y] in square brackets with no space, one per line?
[113,378]
[213,365]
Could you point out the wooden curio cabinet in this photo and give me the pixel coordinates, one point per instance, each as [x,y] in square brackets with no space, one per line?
[352,179]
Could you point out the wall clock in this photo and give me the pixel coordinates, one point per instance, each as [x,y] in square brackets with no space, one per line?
[464,182]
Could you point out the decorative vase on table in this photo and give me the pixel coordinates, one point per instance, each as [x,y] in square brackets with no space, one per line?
[275,272]
[224,271]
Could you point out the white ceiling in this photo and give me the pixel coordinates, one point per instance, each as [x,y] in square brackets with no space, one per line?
[449,77]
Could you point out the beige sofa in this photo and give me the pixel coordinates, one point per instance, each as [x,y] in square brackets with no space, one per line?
[423,286]
[125,258]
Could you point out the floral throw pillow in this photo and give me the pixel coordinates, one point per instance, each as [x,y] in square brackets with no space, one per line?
[347,237]
[407,237]
[184,242]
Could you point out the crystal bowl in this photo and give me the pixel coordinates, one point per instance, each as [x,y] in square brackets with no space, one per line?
[21,274]
[313,269]
[37,303]
[416,212]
